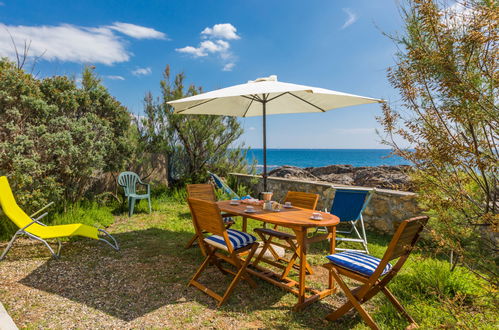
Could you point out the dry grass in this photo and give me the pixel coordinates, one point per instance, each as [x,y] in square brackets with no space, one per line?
[144,285]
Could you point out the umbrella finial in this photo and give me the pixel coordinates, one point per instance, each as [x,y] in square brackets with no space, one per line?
[269,78]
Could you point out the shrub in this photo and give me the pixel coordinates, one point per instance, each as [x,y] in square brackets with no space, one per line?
[55,137]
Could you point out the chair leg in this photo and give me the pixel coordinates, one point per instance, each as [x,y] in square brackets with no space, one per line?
[54,254]
[191,241]
[150,208]
[131,206]
[265,246]
[9,246]
[353,300]
[397,305]
[240,273]
[291,262]
[202,267]
[364,237]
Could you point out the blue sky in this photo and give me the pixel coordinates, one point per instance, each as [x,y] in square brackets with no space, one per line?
[331,44]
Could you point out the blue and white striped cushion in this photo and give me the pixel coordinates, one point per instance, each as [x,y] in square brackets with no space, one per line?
[357,262]
[237,238]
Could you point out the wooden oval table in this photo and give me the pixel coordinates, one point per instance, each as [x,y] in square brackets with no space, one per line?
[298,220]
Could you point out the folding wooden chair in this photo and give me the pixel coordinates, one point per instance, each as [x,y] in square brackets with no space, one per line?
[206,192]
[206,217]
[374,273]
[298,199]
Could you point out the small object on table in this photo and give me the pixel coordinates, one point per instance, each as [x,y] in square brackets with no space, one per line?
[252,201]
[288,205]
[276,207]
[267,196]
[249,209]
[234,202]
[316,216]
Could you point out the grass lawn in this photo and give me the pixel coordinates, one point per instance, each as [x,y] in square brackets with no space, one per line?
[144,285]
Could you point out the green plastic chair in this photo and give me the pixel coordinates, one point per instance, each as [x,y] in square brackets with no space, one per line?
[129,180]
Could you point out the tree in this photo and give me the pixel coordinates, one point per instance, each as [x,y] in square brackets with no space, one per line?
[193,143]
[447,74]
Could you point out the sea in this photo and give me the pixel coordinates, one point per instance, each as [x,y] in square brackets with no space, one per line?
[324,157]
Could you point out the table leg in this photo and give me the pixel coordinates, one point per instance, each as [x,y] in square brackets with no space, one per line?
[245,224]
[332,249]
[300,237]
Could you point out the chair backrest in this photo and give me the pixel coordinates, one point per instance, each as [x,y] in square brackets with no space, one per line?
[348,204]
[202,191]
[405,237]
[222,185]
[207,218]
[10,207]
[302,199]
[128,180]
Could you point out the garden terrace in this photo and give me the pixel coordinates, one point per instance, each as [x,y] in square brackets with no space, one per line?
[144,285]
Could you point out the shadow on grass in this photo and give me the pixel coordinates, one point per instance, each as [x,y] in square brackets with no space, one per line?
[150,271]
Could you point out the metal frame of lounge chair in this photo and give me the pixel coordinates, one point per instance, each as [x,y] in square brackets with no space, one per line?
[59,245]
[22,231]
[222,185]
[362,237]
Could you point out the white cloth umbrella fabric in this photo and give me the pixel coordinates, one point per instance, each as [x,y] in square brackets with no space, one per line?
[266,96]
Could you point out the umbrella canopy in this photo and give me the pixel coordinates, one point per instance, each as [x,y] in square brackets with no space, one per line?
[266,96]
[246,100]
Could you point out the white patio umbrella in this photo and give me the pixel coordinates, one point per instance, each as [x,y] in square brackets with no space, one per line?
[266,96]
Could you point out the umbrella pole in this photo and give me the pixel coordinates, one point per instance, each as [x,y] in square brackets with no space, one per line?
[264,103]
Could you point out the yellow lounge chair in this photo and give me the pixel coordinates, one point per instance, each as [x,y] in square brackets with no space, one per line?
[33,228]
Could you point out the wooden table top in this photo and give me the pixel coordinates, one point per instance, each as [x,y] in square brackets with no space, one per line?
[287,217]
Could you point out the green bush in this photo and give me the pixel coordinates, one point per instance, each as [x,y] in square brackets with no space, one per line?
[433,279]
[56,137]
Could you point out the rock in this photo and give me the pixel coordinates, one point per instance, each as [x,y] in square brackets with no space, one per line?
[331,169]
[387,177]
[291,172]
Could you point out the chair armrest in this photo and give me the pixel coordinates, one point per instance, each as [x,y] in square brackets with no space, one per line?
[42,209]
[147,185]
[37,220]
[29,224]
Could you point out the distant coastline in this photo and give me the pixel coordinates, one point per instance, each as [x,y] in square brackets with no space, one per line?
[323,157]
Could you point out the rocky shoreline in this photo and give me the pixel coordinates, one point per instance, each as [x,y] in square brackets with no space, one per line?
[386,177]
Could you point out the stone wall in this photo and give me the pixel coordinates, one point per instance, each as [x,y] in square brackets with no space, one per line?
[383,214]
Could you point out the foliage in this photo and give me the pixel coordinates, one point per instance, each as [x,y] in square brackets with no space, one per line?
[194,144]
[447,75]
[56,137]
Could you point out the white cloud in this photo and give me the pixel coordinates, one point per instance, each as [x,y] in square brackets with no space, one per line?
[229,66]
[215,45]
[351,18]
[137,31]
[205,47]
[221,31]
[196,52]
[142,72]
[67,42]
[115,77]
